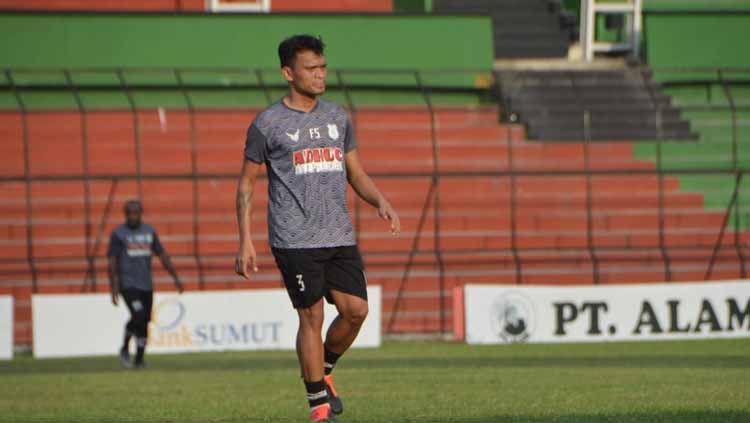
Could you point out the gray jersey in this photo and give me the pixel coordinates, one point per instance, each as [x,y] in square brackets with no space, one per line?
[133,249]
[307,184]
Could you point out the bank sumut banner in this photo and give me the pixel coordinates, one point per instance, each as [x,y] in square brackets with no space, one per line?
[499,314]
[88,324]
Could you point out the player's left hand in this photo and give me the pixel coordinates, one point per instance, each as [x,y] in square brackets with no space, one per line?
[386,212]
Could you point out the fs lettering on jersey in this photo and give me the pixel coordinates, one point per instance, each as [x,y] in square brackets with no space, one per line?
[321,159]
[139,245]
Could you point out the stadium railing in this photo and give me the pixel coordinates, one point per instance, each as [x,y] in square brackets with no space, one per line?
[421,84]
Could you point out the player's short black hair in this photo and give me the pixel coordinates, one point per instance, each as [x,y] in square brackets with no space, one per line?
[133,203]
[289,48]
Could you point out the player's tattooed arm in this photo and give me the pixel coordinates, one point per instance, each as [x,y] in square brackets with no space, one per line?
[246,256]
[366,189]
[166,261]
[114,279]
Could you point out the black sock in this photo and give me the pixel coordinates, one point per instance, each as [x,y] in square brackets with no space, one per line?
[330,360]
[316,393]
[126,341]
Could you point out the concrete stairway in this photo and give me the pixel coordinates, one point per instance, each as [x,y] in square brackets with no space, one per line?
[521,28]
[575,104]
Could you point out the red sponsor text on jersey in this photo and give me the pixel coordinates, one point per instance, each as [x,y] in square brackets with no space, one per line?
[315,160]
[318,155]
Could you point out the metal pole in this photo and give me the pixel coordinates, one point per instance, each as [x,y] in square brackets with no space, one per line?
[589,184]
[659,126]
[513,208]
[589,197]
[637,27]
[410,259]
[347,95]
[26,177]
[194,178]
[662,199]
[136,130]
[90,277]
[391,175]
[508,113]
[345,88]
[735,166]
[737,240]
[733,109]
[103,223]
[436,199]
[264,87]
[353,114]
[717,246]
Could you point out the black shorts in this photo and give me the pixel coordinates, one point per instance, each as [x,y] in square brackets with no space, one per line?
[311,273]
[138,302]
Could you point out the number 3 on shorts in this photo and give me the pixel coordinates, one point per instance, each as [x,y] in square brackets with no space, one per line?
[301,283]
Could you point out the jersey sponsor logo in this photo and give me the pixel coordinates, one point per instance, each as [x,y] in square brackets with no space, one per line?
[317,160]
[138,250]
[294,137]
[333,131]
[139,245]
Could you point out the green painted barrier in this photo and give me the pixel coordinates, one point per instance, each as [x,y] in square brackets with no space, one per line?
[354,41]
[364,52]
[672,5]
[695,5]
[698,40]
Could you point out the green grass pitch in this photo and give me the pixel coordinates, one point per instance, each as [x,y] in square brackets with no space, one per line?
[664,382]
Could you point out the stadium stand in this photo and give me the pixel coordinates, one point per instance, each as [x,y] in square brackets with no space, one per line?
[483,221]
[521,28]
[482,200]
[711,87]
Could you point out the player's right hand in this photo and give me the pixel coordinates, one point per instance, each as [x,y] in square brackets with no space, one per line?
[115,298]
[246,257]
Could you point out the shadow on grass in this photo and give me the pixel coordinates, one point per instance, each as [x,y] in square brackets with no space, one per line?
[286,361]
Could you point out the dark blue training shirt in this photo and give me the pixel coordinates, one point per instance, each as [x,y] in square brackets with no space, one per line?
[133,249]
